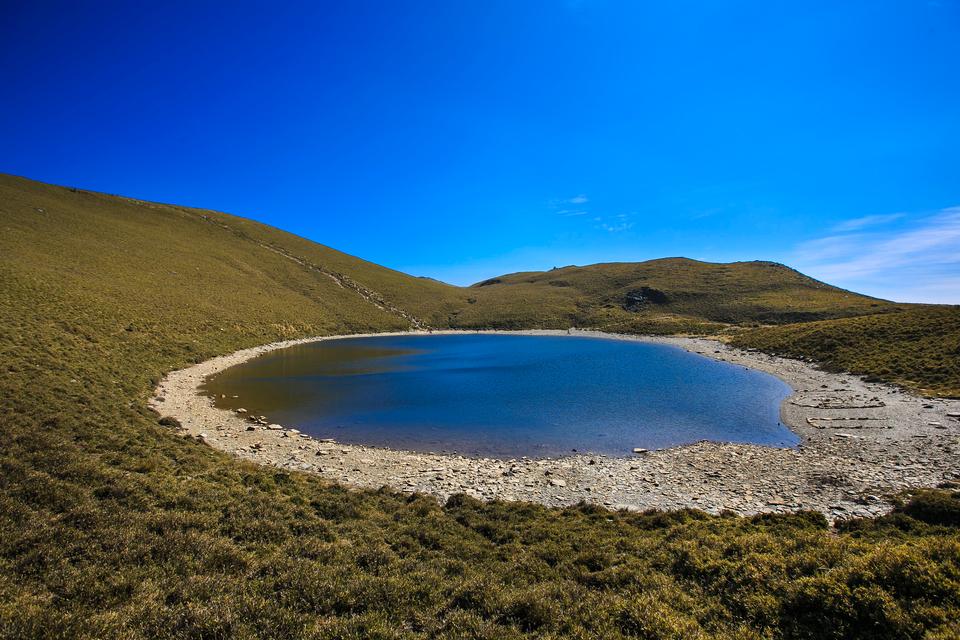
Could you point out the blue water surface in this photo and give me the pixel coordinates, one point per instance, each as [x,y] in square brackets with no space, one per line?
[507,395]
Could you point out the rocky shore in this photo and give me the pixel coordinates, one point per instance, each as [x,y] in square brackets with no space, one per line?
[860,443]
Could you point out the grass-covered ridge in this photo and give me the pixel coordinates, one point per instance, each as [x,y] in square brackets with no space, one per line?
[917,347]
[111,526]
[636,292]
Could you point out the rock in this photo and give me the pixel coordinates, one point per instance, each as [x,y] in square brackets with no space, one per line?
[241,410]
[251,428]
[639,450]
[637,299]
[557,482]
[169,421]
[953,414]
[275,427]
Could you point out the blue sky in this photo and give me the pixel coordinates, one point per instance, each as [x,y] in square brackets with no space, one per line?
[461,140]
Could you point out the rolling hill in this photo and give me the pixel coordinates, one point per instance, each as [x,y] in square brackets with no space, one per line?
[675,292]
[917,347]
[113,526]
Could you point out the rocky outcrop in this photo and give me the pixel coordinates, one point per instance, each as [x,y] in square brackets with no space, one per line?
[637,299]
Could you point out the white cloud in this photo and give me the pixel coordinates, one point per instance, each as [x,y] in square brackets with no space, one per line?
[618,223]
[616,228]
[867,221]
[580,199]
[917,264]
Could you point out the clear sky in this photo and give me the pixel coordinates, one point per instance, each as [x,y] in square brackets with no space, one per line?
[461,140]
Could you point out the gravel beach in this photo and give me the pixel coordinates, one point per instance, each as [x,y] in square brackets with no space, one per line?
[860,443]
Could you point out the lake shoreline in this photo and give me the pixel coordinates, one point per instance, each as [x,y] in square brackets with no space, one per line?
[860,442]
[507,396]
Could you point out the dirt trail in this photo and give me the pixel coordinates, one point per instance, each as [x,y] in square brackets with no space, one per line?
[344,281]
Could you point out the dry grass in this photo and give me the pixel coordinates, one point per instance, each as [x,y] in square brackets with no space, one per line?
[918,347]
[111,526]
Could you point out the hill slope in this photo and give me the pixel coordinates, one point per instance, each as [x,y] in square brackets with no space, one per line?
[199,271]
[103,247]
[917,347]
[672,290]
[111,526]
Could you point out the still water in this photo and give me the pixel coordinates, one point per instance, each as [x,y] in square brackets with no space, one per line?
[507,395]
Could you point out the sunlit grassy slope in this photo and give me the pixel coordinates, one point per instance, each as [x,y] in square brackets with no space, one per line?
[112,526]
[220,267]
[677,291]
[917,347]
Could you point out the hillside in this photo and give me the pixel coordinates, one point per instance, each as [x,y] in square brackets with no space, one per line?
[917,347]
[101,247]
[676,292]
[112,526]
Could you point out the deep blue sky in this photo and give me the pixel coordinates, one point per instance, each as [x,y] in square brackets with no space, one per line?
[462,140]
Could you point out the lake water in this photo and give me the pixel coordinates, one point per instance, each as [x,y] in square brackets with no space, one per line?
[507,395]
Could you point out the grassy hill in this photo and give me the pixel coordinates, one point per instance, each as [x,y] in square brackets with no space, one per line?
[102,247]
[917,347]
[112,526]
[676,292]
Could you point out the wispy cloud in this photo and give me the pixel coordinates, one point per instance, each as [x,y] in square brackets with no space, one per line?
[563,208]
[867,221]
[614,224]
[610,223]
[617,227]
[921,263]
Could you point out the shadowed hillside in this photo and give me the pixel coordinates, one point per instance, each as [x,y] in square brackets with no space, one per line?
[113,526]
